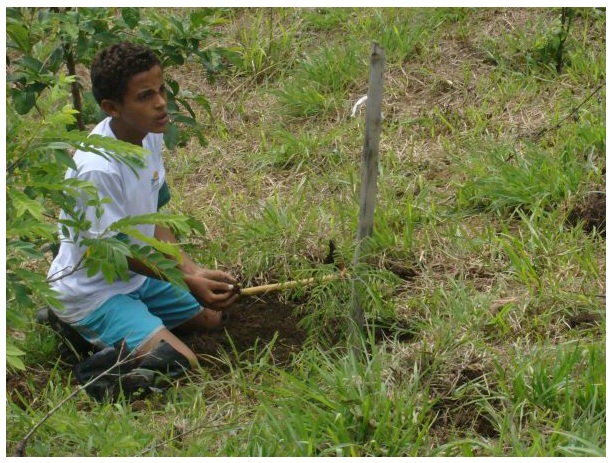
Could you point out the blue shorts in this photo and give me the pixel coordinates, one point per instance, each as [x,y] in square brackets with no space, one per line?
[137,316]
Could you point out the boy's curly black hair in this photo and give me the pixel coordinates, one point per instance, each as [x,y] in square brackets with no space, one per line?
[114,66]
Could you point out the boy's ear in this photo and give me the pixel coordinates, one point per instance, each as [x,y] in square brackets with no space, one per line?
[110,107]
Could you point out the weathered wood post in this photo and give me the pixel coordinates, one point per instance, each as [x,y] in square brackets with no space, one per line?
[369,175]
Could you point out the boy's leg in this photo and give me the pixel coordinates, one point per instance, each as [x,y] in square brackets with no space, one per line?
[178,309]
[207,319]
[165,335]
[143,321]
[114,370]
[138,347]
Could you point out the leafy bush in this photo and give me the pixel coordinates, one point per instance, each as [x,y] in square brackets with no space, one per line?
[41,41]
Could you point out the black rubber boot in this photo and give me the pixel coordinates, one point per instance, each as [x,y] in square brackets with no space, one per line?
[152,372]
[101,372]
[157,370]
[73,346]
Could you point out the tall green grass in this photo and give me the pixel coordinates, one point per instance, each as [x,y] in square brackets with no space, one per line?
[563,392]
[322,81]
[504,178]
[334,405]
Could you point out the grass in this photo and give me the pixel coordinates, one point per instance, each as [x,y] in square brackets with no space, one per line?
[492,302]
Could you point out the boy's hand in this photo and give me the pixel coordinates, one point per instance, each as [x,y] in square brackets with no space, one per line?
[217,275]
[212,288]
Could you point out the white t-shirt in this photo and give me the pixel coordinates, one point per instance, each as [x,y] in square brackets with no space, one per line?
[131,195]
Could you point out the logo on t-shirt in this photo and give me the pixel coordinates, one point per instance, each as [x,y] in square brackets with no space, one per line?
[155,180]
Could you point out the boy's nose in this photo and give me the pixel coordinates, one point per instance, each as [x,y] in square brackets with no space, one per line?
[160,101]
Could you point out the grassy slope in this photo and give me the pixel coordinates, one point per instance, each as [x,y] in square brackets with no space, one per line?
[503,311]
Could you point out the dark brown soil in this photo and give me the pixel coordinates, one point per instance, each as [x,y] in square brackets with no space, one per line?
[252,323]
[591,213]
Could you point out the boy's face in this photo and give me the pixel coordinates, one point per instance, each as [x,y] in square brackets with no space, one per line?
[143,108]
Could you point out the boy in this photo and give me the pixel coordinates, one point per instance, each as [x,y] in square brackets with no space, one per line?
[133,316]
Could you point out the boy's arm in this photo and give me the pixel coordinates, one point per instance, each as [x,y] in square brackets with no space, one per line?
[165,234]
[212,288]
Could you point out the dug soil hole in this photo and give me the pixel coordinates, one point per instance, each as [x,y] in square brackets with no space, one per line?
[591,213]
[251,325]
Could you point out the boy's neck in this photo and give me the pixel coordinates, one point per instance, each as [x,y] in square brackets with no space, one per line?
[124,135]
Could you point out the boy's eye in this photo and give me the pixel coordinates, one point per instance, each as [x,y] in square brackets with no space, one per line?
[149,94]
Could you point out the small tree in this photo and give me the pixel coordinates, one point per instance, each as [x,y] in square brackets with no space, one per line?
[42,42]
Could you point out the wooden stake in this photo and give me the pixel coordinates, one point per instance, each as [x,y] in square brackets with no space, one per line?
[369,169]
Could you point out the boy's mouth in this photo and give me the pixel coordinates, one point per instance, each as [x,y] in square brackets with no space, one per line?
[163,119]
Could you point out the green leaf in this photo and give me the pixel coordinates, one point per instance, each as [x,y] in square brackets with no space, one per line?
[31,63]
[187,106]
[64,158]
[13,354]
[28,250]
[23,100]
[108,256]
[30,229]
[70,30]
[84,43]
[22,204]
[201,137]
[178,24]
[56,59]
[174,86]
[176,222]
[131,16]
[170,136]
[159,264]
[183,119]
[57,145]
[107,147]
[12,349]
[20,36]
[174,55]
[108,271]
[161,246]
[205,103]
[200,17]
[197,226]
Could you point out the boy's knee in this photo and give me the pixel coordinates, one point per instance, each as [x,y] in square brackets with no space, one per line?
[206,320]
[166,337]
